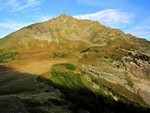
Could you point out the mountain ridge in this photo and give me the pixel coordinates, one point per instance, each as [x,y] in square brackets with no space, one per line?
[74,55]
[74,28]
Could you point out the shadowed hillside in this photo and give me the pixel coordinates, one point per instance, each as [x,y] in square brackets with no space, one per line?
[21,92]
[28,93]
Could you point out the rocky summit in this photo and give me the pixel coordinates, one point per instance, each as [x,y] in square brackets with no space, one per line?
[67,65]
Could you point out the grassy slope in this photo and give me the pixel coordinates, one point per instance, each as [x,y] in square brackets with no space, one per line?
[27,93]
[78,88]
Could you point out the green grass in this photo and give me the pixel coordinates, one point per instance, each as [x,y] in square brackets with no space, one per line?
[64,74]
[66,65]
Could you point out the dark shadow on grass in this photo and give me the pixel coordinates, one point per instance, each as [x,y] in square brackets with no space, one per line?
[14,82]
[23,93]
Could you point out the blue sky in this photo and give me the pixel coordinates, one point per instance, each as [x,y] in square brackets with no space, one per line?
[131,16]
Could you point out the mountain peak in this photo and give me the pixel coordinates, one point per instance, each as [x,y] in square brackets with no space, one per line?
[65,16]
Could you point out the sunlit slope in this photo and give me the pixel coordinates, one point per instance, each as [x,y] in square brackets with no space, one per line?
[65,29]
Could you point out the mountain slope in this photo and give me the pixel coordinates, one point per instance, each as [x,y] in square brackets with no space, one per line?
[89,67]
[66,28]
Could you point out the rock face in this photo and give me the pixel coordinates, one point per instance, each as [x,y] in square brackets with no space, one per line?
[138,65]
[122,80]
[104,61]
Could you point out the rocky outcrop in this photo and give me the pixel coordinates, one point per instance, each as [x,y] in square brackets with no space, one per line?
[122,80]
[138,67]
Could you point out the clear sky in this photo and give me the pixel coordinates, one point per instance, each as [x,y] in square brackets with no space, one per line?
[131,16]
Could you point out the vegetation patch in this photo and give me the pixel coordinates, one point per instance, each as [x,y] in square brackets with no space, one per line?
[61,54]
[7,56]
[65,75]
[92,49]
